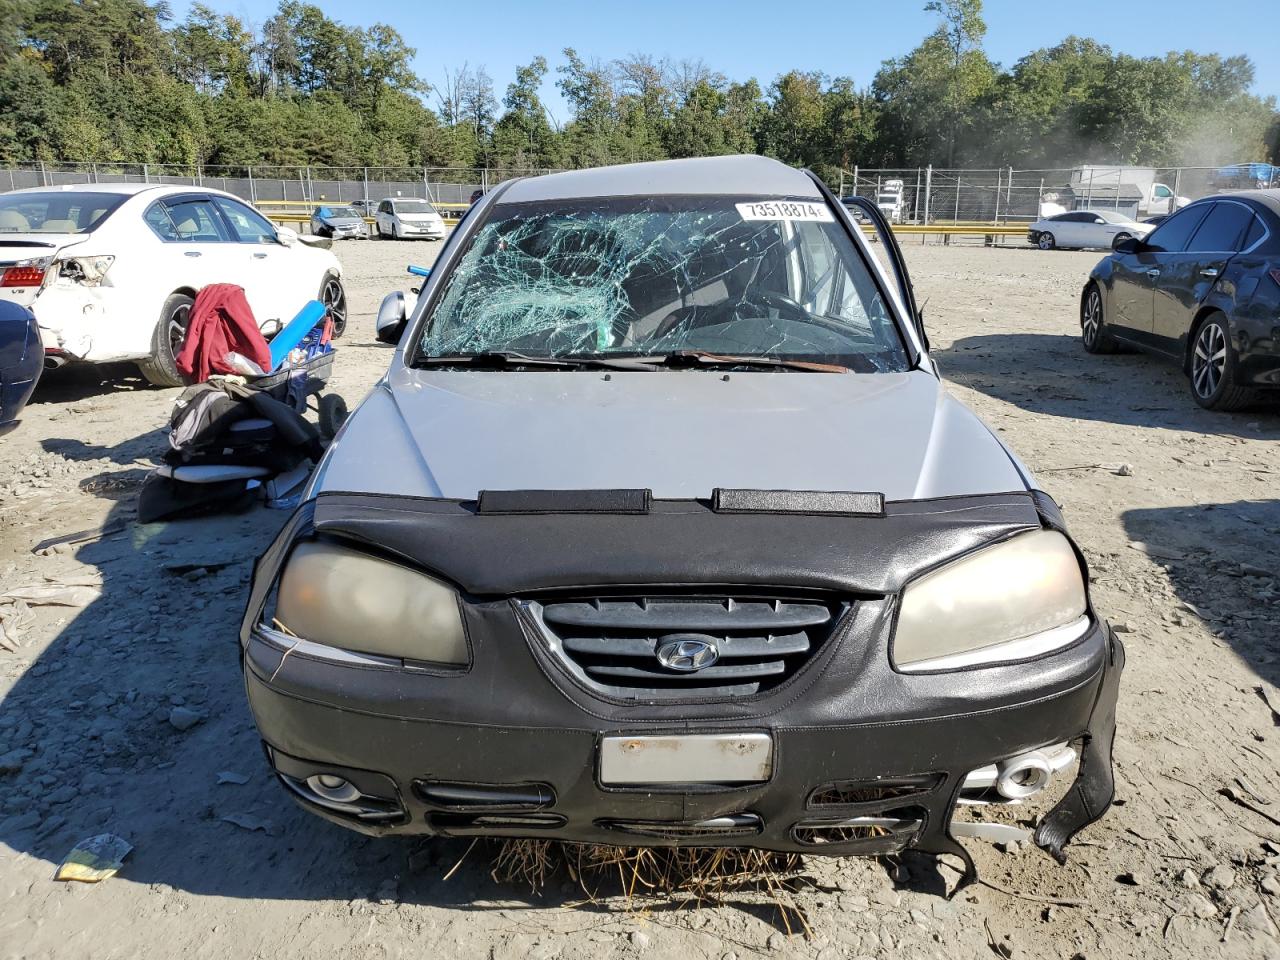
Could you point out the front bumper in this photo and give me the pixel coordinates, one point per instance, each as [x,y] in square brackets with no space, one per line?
[511,745]
[430,232]
[323,718]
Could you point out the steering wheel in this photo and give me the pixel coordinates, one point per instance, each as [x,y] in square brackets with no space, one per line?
[779,301]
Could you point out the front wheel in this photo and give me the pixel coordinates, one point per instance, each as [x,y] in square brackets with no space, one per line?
[1212,368]
[1093,333]
[334,297]
[161,368]
[1045,241]
[1120,238]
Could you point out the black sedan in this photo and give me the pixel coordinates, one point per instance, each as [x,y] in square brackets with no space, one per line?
[1202,289]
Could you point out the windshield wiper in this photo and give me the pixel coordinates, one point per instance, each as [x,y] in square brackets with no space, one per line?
[500,359]
[701,358]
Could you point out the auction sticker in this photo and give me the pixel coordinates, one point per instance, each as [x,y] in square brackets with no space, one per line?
[785,210]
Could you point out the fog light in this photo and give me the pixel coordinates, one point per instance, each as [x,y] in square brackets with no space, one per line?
[333,788]
[1024,776]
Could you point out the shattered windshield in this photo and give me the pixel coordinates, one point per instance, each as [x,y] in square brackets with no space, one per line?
[657,276]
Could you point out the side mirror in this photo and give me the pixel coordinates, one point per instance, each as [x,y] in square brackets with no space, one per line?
[1130,245]
[287,236]
[392,316]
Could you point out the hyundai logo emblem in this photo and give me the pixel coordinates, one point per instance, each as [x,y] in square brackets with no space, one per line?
[687,652]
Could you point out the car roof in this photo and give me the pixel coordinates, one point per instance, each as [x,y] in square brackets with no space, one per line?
[735,175]
[1267,198]
[127,189]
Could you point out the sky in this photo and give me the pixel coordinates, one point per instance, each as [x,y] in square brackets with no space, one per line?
[764,38]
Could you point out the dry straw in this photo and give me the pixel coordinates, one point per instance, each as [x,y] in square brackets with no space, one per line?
[631,878]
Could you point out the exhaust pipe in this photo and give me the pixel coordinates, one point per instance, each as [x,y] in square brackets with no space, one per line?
[52,361]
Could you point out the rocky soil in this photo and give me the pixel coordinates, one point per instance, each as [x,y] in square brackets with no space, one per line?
[122,711]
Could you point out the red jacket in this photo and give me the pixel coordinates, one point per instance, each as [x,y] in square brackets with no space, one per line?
[221,323]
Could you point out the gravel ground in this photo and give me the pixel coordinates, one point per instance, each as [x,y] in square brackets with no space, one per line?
[124,711]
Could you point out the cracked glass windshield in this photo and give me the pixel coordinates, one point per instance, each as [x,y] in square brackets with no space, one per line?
[656,277]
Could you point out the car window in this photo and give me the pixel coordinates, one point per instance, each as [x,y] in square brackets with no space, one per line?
[1222,230]
[190,221]
[57,211]
[1172,235]
[1256,230]
[249,225]
[661,275]
[413,206]
[384,207]
[1163,192]
[158,219]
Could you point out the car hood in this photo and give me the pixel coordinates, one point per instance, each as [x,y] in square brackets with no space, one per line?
[341,221]
[418,217]
[681,434]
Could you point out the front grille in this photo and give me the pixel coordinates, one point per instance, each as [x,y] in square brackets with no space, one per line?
[653,647]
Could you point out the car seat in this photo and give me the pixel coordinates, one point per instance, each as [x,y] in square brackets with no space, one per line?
[59,226]
[12,220]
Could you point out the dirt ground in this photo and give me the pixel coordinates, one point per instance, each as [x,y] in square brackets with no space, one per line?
[125,713]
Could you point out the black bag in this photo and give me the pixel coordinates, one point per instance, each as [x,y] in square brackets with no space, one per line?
[211,424]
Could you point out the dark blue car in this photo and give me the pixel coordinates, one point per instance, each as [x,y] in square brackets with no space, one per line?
[21,360]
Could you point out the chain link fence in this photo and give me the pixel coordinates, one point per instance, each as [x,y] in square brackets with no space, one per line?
[275,185]
[922,195]
[915,195]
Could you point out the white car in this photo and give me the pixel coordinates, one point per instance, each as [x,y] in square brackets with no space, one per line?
[111,270]
[404,218]
[1085,229]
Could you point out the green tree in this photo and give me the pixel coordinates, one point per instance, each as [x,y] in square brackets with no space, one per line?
[927,99]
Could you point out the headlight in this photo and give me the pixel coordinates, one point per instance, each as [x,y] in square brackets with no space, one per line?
[339,597]
[1018,599]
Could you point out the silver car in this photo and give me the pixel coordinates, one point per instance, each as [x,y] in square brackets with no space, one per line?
[339,222]
[662,529]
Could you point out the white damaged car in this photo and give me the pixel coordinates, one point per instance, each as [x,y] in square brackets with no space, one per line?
[111,270]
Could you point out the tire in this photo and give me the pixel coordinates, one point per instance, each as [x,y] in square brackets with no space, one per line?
[1046,241]
[1120,238]
[161,368]
[1093,327]
[377,230]
[1211,367]
[334,296]
[332,414]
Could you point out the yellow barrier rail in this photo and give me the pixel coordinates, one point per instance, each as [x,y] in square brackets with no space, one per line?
[899,229]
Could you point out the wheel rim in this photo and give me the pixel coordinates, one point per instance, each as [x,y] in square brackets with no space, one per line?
[1092,316]
[336,301]
[1209,360]
[1046,241]
[1120,238]
[177,327]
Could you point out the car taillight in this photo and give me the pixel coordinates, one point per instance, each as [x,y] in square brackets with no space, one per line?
[23,275]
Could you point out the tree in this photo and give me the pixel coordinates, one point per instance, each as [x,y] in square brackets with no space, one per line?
[927,99]
[523,137]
